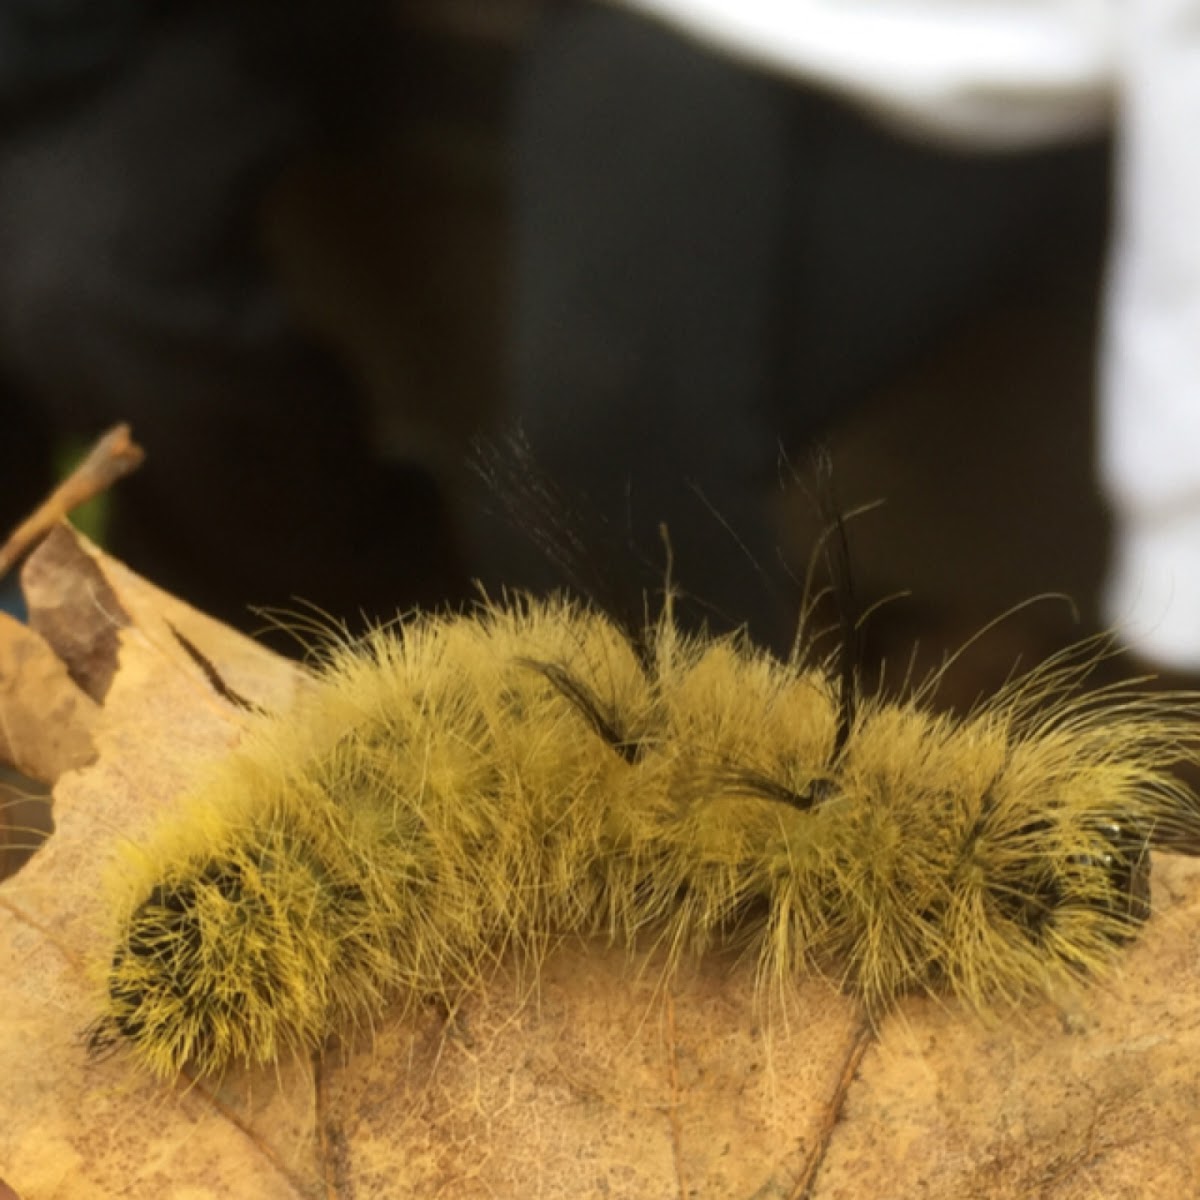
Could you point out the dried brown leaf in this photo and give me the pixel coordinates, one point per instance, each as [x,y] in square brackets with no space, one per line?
[46,722]
[598,1082]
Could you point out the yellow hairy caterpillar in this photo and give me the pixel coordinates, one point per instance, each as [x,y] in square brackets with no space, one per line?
[461,787]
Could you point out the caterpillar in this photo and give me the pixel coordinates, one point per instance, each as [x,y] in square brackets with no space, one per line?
[464,787]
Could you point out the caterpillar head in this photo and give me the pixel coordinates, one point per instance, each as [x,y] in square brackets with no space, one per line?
[1106,879]
[1057,898]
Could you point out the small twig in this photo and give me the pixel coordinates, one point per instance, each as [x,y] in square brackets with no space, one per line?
[861,1041]
[113,457]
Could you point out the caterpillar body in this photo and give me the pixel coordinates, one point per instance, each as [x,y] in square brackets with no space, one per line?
[462,787]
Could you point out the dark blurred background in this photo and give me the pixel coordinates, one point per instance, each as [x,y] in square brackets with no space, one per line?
[389,244]
[981,453]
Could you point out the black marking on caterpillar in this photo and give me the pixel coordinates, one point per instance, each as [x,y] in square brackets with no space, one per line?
[598,715]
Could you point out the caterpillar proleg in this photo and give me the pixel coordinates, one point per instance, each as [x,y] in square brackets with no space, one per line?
[461,787]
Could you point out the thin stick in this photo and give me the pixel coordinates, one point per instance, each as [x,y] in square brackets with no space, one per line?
[863,1038]
[113,457]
